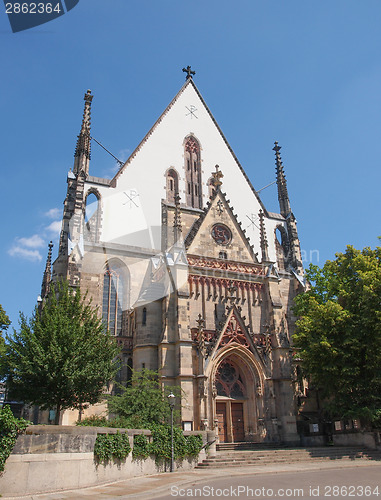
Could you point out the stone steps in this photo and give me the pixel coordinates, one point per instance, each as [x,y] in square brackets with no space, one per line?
[240,457]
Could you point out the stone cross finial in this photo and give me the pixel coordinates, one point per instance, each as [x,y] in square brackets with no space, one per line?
[189,72]
[217,176]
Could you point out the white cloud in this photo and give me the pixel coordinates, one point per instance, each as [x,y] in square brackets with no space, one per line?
[34,241]
[32,255]
[123,154]
[54,227]
[53,213]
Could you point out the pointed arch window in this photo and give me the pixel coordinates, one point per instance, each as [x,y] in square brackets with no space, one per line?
[114,300]
[91,215]
[172,185]
[229,380]
[281,246]
[192,157]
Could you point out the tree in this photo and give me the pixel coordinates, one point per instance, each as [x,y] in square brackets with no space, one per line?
[339,333]
[62,357]
[4,323]
[144,402]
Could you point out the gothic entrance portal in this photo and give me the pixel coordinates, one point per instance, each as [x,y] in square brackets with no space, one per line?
[231,402]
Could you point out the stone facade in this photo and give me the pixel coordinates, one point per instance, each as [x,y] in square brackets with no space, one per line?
[191,286]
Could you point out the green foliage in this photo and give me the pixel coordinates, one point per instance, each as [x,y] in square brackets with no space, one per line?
[144,402]
[4,323]
[160,445]
[62,357]
[93,421]
[112,447]
[194,444]
[339,333]
[10,428]
[142,448]
[99,421]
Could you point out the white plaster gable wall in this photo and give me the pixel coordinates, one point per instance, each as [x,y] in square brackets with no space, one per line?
[271,226]
[164,149]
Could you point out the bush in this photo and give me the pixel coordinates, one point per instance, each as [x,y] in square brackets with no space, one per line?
[193,444]
[10,428]
[161,444]
[142,447]
[94,421]
[112,447]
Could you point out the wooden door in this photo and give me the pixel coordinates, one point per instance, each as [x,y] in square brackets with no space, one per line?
[221,417]
[237,423]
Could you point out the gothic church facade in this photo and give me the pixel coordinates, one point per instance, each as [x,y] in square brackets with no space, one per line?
[184,262]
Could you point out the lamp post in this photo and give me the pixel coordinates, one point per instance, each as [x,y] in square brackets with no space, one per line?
[171,401]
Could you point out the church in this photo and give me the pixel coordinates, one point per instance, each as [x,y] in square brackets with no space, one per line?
[190,271]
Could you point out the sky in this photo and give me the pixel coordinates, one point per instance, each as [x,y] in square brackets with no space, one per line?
[307,74]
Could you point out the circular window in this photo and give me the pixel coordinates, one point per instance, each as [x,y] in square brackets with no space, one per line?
[221,234]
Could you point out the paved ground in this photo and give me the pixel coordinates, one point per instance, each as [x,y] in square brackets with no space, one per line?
[302,480]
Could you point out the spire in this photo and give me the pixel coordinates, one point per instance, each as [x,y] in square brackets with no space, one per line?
[82,149]
[47,273]
[177,218]
[284,202]
[264,242]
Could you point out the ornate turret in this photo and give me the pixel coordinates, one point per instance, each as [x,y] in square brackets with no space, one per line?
[284,202]
[82,149]
[45,287]
[264,242]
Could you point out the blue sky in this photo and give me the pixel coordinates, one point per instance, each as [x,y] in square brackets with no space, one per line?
[307,74]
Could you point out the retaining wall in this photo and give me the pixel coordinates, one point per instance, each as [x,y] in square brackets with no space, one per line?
[55,458]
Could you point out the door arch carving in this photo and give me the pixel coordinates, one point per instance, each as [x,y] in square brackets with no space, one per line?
[236,403]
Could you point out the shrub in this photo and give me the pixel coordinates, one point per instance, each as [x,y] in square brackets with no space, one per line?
[142,447]
[112,447]
[193,444]
[10,428]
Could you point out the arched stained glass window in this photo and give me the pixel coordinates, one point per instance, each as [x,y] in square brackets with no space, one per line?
[192,157]
[114,300]
[172,185]
[229,381]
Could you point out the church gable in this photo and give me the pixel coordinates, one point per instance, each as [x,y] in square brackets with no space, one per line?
[178,154]
[217,234]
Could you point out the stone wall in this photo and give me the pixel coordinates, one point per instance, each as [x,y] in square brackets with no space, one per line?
[55,458]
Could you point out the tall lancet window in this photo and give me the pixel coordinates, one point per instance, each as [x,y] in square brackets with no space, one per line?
[114,304]
[193,192]
[92,216]
[172,185]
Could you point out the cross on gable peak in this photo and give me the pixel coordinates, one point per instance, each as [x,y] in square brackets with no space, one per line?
[189,72]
